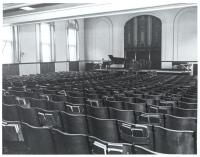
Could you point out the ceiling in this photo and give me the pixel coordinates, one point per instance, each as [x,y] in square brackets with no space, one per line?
[13,9]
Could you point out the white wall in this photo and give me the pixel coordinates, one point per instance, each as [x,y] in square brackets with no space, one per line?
[97,35]
[101,36]
[26,69]
[27,43]
[185,43]
[60,41]
[28,46]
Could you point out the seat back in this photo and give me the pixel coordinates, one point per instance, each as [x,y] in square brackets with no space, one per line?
[66,143]
[38,139]
[180,123]
[124,115]
[174,142]
[39,103]
[10,112]
[98,112]
[180,112]
[99,146]
[48,118]
[74,123]
[136,133]
[28,115]
[53,105]
[105,129]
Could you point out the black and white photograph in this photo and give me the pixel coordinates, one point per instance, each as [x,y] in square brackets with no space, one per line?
[99,77]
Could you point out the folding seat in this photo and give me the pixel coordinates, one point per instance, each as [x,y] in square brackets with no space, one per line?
[180,112]
[138,105]
[124,115]
[20,94]
[168,103]
[75,108]
[151,118]
[46,91]
[180,123]
[13,139]
[136,95]
[98,112]
[38,139]
[49,118]
[39,103]
[10,113]
[92,96]
[104,129]
[9,99]
[75,94]
[151,100]
[104,93]
[174,142]
[76,100]
[18,88]
[70,143]
[17,84]
[74,123]
[6,85]
[95,102]
[58,97]
[28,115]
[56,105]
[99,146]
[31,94]
[142,150]
[126,99]
[110,102]
[135,133]
[193,96]
[189,100]
[160,109]
[186,105]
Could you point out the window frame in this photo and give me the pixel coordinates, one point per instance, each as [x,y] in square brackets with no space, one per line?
[72,24]
[41,43]
[11,43]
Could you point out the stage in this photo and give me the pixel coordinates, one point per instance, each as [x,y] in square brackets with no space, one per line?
[145,71]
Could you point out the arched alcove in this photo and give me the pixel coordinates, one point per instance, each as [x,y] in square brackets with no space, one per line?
[142,40]
[185,35]
[103,38]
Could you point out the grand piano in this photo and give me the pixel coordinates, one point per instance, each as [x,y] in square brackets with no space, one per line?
[116,60]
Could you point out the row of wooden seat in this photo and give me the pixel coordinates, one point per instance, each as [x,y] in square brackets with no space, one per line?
[37,116]
[103,100]
[41,140]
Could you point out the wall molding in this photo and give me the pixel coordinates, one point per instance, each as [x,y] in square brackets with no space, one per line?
[109,22]
[176,30]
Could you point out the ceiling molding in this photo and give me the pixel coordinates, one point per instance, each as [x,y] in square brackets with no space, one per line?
[8,6]
[86,11]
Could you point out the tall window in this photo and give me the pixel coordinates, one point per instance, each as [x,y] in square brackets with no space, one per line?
[72,37]
[7,46]
[45,42]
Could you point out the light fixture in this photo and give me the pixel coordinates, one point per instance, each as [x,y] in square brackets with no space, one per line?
[27,8]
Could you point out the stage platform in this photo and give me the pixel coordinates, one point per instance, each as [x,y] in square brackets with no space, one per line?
[166,71]
[144,71]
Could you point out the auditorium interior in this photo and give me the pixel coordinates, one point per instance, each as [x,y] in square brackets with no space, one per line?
[96,78]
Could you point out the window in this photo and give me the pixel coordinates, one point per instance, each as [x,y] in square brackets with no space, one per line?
[72,44]
[72,33]
[45,37]
[7,46]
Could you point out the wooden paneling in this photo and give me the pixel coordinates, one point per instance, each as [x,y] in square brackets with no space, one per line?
[74,66]
[10,69]
[47,67]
